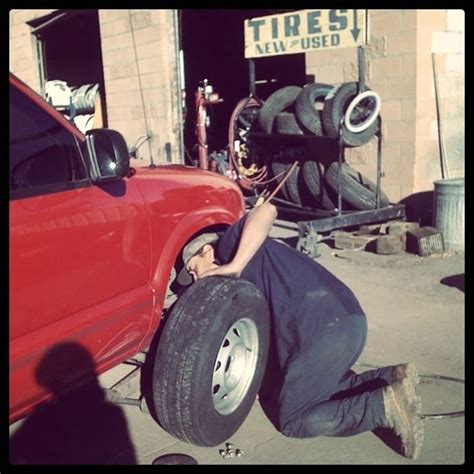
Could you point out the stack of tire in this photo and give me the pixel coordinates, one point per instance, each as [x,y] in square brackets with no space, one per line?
[323,110]
[83,99]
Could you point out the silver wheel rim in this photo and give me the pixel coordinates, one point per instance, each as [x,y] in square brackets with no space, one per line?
[235,366]
[362,111]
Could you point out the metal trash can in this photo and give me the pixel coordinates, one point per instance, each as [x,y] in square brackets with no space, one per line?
[448,211]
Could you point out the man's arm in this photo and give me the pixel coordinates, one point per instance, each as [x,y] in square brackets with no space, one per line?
[257,226]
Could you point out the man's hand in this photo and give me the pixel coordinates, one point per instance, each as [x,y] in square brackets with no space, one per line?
[228,269]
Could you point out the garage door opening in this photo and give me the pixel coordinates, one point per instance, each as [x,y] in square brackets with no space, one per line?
[69,50]
[213,49]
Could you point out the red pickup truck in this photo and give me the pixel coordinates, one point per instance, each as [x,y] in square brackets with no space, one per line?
[95,246]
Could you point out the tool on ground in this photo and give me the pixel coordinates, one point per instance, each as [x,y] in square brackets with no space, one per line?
[230,452]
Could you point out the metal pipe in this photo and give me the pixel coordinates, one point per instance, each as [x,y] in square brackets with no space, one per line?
[339,170]
[252,77]
[179,58]
[379,161]
[361,60]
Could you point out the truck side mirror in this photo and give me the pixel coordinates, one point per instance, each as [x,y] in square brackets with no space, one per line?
[108,155]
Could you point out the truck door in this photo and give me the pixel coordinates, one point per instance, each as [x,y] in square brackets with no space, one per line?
[79,254]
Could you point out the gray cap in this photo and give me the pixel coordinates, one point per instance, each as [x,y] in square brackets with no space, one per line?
[191,249]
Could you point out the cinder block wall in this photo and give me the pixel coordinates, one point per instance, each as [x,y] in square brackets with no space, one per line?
[140,72]
[440,32]
[141,79]
[23,55]
[399,68]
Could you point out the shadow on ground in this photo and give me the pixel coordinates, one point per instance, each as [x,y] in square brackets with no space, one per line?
[456,281]
[75,427]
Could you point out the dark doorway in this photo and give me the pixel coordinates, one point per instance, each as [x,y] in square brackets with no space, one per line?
[71,48]
[213,49]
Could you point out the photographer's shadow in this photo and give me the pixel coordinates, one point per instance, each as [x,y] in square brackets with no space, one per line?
[77,426]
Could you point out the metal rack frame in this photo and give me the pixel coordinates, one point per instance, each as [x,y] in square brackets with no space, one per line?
[337,219]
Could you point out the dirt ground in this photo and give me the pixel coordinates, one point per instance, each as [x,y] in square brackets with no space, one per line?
[415,311]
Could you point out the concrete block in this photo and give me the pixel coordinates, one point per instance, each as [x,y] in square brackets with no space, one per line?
[424,241]
[149,65]
[141,19]
[401,43]
[408,65]
[329,74]
[377,46]
[114,28]
[106,16]
[370,229]
[389,245]
[118,56]
[147,35]
[386,67]
[409,109]
[392,189]
[118,42]
[401,228]
[150,50]
[348,240]
[432,20]
[392,156]
[152,80]
[400,88]
[122,85]
[400,131]
[358,156]
[385,21]
[391,110]
[455,20]
[119,71]
[455,63]
[447,42]
[409,19]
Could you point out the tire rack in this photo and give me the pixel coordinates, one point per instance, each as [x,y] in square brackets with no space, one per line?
[336,219]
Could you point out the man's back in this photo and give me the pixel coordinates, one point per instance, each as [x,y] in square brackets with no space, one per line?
[304,298]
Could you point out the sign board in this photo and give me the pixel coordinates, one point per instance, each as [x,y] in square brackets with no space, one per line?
[303,31]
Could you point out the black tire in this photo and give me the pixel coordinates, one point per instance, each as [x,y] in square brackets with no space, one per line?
[314,179]
[277,102]
[335,106]
[211,315]
[247,117]
[286,123]
[290,189]
[308,115]
[356,189]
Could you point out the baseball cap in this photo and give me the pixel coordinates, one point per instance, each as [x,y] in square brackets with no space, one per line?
[184,278]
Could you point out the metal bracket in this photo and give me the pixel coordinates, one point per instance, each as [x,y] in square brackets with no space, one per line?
[308,240]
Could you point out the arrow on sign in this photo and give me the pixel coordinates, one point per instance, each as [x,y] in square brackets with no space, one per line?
[355,31]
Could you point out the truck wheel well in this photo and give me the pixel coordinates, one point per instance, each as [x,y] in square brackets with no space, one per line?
[174,289]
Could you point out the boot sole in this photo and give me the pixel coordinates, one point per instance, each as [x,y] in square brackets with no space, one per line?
[408,424]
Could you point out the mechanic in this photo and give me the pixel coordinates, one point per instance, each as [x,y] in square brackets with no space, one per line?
[320,331]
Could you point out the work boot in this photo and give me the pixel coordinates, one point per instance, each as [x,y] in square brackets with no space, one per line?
[405,371]
[402,408]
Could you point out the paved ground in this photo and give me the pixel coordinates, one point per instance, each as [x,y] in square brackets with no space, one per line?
[415,310]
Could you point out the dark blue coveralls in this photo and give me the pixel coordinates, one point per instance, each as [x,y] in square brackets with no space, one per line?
[320,331]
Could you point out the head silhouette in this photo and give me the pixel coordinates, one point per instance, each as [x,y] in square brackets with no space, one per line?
[63,366]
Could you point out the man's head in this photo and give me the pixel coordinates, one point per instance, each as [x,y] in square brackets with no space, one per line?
[198,257]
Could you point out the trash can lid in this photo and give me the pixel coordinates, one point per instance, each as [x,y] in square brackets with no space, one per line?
[450,182]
